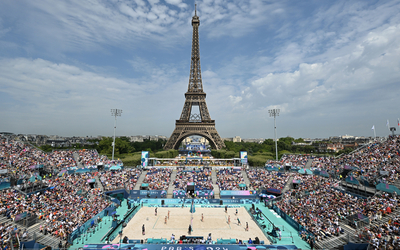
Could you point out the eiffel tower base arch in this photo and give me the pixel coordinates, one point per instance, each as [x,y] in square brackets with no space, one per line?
[184,130]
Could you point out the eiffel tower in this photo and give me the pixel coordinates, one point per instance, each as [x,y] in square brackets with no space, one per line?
[195,124]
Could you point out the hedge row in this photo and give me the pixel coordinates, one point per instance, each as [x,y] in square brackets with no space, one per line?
[167,154]
[223,154]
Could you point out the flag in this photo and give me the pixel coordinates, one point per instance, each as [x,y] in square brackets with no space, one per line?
[387,124]
[398,122]
[373,127]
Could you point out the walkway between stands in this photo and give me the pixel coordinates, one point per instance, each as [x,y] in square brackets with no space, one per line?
[140,180]
[309,163]
[171,186]
[214,176]
[76,158]
[246,178]
[288,185]
[216,191]
[99,184]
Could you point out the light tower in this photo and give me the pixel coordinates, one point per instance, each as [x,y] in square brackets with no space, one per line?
[275,113]
[115,113]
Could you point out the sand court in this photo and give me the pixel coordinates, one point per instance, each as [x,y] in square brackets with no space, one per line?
[215,222]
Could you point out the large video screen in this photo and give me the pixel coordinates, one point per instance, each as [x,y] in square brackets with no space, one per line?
[145,158]
[243,157]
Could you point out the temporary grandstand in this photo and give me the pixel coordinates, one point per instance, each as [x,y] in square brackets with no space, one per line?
[79,199]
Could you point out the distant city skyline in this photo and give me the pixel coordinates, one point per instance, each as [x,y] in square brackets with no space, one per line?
[331,67]
[234,138]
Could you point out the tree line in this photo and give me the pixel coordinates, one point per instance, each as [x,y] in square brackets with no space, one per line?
[258,153]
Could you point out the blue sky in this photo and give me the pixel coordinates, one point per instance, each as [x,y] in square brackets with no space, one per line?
[331,67]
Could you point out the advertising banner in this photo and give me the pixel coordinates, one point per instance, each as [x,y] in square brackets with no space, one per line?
[237,193]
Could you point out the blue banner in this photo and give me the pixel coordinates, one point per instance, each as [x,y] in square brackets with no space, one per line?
[147,194]
[238,192]
[185,246]
[274,191]
[198,201]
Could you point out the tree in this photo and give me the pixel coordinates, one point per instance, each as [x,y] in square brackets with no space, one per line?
[122,145]
[268,142]
[46,148]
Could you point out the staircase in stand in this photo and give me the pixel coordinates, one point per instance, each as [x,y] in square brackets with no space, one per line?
[140,180]
[171,184]
[288,185]
[76,158]
[333,242]
[214,184]
[216,191]
[396,184]
[34,233]
[308,164]
[214,177]
[99,184]
[349,235]
[246,179]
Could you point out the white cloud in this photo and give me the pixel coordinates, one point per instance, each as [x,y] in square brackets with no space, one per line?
[178,3]
[345,85]
[330,65]
[236,18]
[49,96]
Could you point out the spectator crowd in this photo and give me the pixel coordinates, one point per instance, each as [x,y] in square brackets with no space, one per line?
[229,179]
[158,178]
[201,179]
[120,179]
[264,179]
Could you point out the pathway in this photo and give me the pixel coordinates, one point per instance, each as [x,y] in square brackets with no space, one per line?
[171,184]
[99,184]
[213,177]
[140,180]
[309,163]
[76,158]
[216,191]
[246,179]
[288,184]
[214,184]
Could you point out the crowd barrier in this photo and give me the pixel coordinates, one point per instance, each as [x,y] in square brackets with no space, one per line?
[147,194]
[242,194]
[264,230]
[291,221]
[82,229]
[166,246]
[179,202]
[114,233]
[199,193]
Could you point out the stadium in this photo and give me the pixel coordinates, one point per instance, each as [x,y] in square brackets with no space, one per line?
[82,200]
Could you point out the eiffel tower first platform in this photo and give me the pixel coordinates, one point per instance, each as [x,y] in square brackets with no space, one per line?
[195,124]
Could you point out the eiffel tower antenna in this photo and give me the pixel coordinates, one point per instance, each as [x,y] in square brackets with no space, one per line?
[195,124]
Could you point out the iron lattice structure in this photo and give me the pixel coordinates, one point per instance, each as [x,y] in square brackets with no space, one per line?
[195,124]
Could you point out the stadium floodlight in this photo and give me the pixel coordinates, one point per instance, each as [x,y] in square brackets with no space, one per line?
[275,113]
[115,113]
